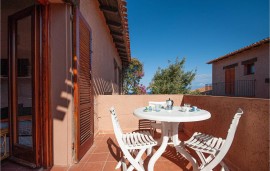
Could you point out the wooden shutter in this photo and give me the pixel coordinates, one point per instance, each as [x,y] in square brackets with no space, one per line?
[84,108]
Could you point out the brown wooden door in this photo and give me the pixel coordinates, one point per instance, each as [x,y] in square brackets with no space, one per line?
[24,87]
[229,81]
[84,113]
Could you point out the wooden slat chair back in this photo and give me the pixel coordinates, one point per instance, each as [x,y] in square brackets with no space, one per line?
[133,145]
[216,147]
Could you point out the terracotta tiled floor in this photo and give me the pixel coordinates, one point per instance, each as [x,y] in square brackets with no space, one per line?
[105,153]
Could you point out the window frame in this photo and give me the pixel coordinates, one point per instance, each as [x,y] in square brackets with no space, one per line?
[250,69]
[249,66]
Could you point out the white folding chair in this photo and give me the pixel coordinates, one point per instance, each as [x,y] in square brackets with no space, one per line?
[133,145]
[215,148]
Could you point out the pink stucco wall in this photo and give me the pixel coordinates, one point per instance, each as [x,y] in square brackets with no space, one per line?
[124,106]
[261,69]
[61,83]
[250,148]
[104,51]
[103,56]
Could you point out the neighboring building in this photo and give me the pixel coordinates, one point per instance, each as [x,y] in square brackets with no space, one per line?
[56,56]
[206,90]
[244,72]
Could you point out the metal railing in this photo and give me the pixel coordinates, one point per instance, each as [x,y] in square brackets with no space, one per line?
[239,88]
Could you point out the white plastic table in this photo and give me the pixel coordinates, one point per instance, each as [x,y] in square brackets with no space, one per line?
[170,120]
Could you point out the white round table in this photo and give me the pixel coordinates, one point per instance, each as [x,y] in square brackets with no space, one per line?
[170,120]
[175,115]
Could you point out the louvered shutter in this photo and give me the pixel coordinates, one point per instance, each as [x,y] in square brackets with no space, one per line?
[85,108]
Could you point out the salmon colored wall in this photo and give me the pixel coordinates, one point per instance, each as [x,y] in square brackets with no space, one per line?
[124,106]
[250,148]
[61,87]
[261,69]
[104,51]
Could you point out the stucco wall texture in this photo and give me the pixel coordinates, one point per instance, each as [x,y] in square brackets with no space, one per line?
[261,69]
[103,56]
[124,106]
[61,95]
[104,51]
[250,148]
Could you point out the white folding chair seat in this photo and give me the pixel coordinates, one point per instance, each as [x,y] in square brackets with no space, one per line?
[216,148]
[136,140]
[133,145]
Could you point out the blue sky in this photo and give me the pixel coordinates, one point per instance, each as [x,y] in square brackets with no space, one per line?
[199,30]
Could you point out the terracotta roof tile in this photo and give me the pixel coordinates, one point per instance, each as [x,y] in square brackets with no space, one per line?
[256,44]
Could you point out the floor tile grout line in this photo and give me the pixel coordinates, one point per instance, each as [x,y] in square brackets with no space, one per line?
[79,163]
[105,162]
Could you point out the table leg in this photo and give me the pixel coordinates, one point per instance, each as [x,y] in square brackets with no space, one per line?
[161,149]
[159,141]
[175,138]
[170,130]
[180,148]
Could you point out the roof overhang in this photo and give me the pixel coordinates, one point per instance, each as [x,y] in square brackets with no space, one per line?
[249,47]
[115,13]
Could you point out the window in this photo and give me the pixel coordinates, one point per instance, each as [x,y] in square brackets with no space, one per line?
[249,66]
[249,69]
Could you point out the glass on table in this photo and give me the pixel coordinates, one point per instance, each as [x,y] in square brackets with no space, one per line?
[157,107]
[186,107]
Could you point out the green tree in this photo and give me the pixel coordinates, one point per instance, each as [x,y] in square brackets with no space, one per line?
[132,76]
[173,79]
[195,92]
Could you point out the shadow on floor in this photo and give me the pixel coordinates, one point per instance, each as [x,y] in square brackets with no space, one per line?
[170,154]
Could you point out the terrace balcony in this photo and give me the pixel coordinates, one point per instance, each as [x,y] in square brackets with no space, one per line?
[249,151]
[239,88]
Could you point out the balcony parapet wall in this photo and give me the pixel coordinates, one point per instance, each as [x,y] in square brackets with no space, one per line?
[250,148]
[124,106]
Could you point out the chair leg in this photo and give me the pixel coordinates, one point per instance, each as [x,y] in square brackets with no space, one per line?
[140,160]
[119,164]
[224,167]
[124,165]
[135,162]
[149,151]
[201,156]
